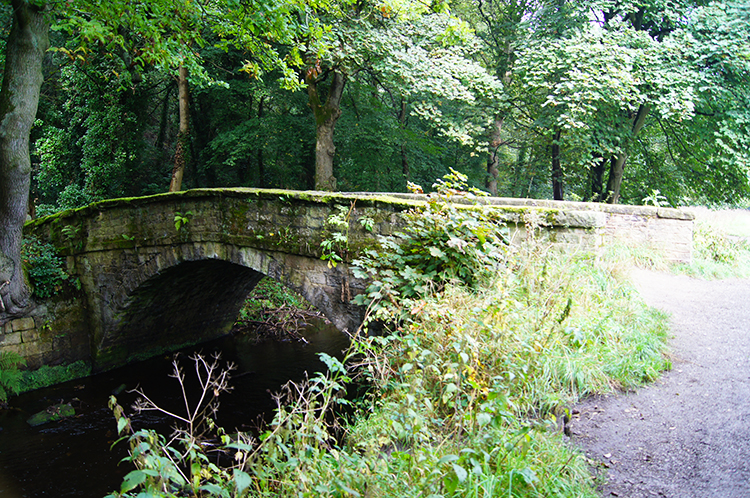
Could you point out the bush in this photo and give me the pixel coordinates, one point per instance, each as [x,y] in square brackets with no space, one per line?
[444,242]
[43,267]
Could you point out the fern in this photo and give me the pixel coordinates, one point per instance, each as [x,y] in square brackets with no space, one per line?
[10,375]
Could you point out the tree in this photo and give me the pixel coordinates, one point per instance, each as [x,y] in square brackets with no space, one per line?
[19,98]
[183,134]
[419,63]
[326,113]
[593,81]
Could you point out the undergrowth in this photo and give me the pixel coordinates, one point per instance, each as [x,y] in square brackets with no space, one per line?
[44,267]
[10,374]
[717,254]
[486,347]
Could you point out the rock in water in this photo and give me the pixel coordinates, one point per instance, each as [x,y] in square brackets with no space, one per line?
[51,414]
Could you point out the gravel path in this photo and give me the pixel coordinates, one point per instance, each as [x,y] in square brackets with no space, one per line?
[688,434]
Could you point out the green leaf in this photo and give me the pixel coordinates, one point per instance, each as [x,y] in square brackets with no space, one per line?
[215,490]
[133,480]
[241,481]
[122,422]
[461,472]
[447,459]
[436,253]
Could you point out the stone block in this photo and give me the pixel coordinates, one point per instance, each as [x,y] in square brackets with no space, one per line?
[29,335]
[10,339]
[15,348]
[21,324]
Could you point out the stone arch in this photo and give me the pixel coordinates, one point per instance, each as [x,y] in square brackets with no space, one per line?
[166,297]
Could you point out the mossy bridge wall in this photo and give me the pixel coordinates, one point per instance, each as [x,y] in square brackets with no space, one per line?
[147,287]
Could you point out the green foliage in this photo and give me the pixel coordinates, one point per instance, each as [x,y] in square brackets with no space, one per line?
[181,220]
[44,267]
[336,247]
[716,254]
[269,294]
[93,141]
[655,199]
[47,375]
[10,375]
[445,242]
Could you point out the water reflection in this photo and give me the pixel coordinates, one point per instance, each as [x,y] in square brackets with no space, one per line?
[72,457]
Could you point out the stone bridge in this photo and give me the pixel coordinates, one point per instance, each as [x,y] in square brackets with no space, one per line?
[161,272]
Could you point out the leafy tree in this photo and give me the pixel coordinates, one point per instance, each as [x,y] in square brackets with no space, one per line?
[590,84]
[98,142]
[417,62]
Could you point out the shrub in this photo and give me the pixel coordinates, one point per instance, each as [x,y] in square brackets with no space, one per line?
[43,266]
[447,241]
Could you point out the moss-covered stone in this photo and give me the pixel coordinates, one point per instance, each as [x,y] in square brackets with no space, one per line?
[51,414]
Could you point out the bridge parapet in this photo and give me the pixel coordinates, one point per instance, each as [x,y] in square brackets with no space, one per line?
[168,270]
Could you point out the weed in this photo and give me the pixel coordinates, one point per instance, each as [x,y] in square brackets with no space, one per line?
[180,219]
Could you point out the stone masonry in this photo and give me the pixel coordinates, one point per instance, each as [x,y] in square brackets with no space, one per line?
[150,284]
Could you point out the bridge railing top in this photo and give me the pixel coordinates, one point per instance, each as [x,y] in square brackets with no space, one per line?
[405,200]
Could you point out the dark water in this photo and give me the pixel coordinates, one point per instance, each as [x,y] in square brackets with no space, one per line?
[72,457]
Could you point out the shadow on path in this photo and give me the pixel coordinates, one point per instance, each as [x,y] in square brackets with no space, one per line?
[688,434]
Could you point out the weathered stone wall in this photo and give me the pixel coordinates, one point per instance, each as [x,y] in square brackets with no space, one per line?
[148,286]
[54,333]
[594,225]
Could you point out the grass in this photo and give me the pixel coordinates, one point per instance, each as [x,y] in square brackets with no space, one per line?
[481,380]
[720,244]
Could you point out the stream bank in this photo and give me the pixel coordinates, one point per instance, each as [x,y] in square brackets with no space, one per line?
[72,457]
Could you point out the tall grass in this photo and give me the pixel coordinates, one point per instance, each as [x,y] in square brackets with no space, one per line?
[473,389]
[720,245]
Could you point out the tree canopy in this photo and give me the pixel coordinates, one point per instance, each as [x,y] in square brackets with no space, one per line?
[599,100]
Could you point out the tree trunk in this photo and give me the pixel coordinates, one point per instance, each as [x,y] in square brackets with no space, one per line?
[261,163]
[27,43]
[493,161]
[596,180]
[617,167]
[180,154]
[557,172]
[326,116]
[403,115]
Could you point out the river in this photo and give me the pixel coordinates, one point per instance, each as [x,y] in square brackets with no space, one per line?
[72,457]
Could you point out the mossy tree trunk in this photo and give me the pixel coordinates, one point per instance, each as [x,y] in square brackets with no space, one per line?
[27,43]
[493,160]
[180,154]
[326,114]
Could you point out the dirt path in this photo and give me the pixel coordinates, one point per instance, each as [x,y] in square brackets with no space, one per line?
[688,434]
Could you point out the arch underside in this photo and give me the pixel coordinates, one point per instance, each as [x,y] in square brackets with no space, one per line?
[187,294]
